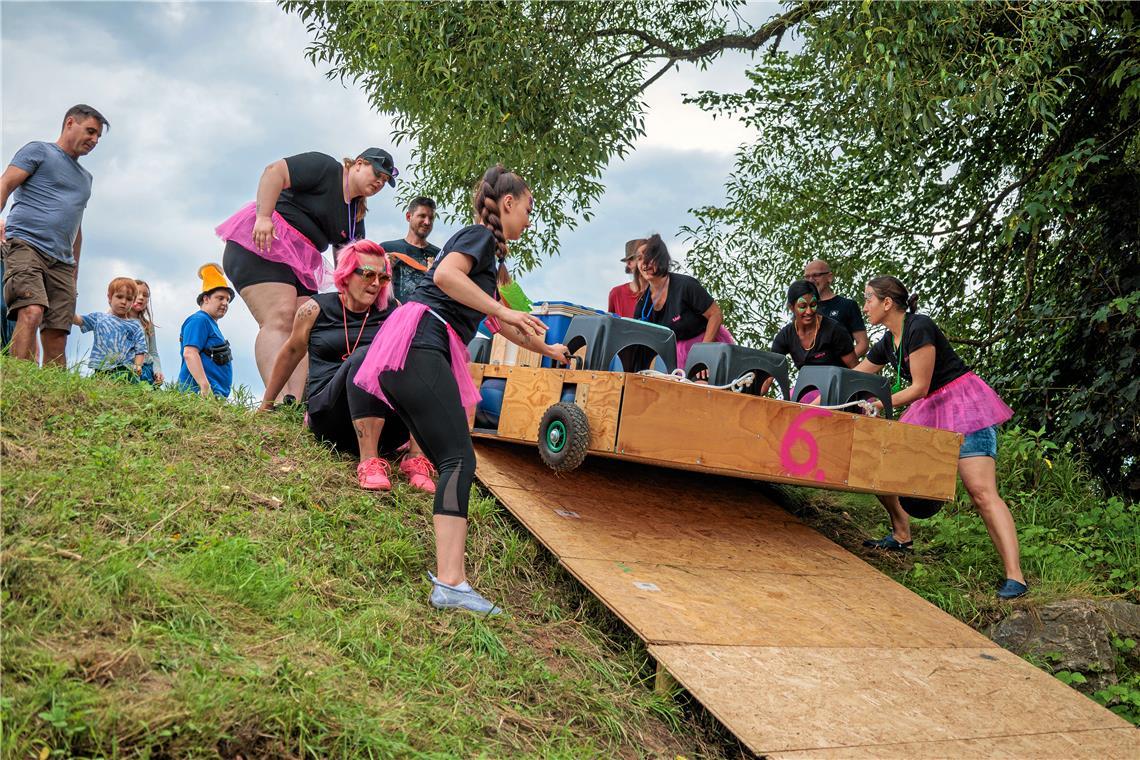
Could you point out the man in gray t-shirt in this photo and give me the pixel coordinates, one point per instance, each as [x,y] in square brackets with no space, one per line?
[42,235]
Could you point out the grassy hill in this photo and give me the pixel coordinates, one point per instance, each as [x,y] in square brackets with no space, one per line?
[181,578]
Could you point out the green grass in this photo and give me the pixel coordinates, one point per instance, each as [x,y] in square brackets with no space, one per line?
[182,578]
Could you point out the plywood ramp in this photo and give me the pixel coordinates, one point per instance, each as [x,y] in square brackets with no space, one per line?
[799,647]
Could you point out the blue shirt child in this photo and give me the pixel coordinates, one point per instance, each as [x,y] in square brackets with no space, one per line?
[200,330]
[117,340]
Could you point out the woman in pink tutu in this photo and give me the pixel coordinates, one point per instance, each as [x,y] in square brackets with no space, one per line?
[273,246]
[418,364]
[943,393]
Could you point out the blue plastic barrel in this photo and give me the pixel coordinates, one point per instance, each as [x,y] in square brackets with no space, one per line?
[491,405]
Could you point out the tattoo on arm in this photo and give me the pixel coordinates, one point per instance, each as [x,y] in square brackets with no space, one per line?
[308,309]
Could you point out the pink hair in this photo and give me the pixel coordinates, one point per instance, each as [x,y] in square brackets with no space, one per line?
[348,259]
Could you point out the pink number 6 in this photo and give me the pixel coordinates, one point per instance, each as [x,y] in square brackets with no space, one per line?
[796,434]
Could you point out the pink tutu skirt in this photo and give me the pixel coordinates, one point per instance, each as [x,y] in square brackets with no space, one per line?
[290,247]
[684,346]
[964,405]
[389,351]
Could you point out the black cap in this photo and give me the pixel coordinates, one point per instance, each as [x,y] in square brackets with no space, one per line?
[381,161]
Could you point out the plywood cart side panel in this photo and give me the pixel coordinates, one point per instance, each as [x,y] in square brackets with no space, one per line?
[529,393]
[476,371]
[894,457]
[682,424]
[599,394]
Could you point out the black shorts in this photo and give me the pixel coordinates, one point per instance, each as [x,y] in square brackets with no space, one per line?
[245,268]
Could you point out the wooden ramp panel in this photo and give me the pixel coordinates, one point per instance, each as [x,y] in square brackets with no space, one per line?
[799,647]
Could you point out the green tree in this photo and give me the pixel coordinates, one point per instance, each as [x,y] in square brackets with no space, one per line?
[986,152]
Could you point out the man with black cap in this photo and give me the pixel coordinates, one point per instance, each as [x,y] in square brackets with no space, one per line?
[305,203]
[207,363]
[623,298]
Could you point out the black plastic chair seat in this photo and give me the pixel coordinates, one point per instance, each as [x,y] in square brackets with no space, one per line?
[725,362]
[839,385]
[604,336]
[480,349]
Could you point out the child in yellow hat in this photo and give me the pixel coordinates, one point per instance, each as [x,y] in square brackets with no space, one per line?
[207,362]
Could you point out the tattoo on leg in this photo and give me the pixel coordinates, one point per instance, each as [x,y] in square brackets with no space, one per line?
[359,429]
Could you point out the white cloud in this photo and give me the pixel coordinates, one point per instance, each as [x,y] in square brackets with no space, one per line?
[201,96]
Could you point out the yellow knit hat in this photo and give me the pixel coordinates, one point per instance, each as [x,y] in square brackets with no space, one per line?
[212,279]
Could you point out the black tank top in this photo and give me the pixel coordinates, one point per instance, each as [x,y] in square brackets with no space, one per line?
[327,342]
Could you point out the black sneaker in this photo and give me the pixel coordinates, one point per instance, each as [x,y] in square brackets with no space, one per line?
[889,543]
[1011,589]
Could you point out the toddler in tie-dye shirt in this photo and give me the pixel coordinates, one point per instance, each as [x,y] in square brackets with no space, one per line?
[120,344]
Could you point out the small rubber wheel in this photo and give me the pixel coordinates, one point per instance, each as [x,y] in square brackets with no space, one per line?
[921,508]
[563,437]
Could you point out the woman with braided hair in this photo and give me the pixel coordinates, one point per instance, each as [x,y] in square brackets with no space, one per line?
[418,363]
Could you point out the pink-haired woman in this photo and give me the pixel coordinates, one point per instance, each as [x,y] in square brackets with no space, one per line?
[335,330]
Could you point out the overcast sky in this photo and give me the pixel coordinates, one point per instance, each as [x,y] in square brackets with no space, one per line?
[201,96]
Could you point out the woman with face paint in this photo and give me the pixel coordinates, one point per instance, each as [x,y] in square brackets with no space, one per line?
[943,393]
[811,339]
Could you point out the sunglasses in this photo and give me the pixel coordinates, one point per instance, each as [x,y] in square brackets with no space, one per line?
[368,274]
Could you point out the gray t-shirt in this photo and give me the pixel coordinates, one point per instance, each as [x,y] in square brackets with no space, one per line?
[47,208]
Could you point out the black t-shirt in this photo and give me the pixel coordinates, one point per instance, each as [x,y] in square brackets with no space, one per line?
[844,311]
[684,308]
[327,343]
[405,279]
[832,343]
[475,241]
[314,202]
[919,330]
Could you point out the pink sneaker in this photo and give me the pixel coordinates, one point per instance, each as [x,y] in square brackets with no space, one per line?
[372,474]
[419,472]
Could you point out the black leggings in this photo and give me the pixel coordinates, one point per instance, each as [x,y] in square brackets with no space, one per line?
[333,408]
[427,399]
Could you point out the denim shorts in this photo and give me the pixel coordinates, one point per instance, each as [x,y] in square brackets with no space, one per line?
[980,443]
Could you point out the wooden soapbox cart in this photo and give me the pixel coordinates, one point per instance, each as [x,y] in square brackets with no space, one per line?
[571,413]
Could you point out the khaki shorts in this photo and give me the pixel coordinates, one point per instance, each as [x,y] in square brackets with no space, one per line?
[33,279]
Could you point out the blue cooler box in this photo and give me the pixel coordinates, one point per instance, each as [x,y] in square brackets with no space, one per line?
[556,315]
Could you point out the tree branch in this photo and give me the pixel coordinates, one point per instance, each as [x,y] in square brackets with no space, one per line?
[774,26]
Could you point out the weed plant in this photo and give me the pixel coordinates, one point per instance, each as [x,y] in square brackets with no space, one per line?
[183,578]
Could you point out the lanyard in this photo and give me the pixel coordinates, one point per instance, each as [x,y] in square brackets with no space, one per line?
[898,353]
[351,216]
[647,309]
[363,324]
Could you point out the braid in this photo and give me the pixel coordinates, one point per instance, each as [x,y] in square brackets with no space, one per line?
[489,217]
[496,183]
